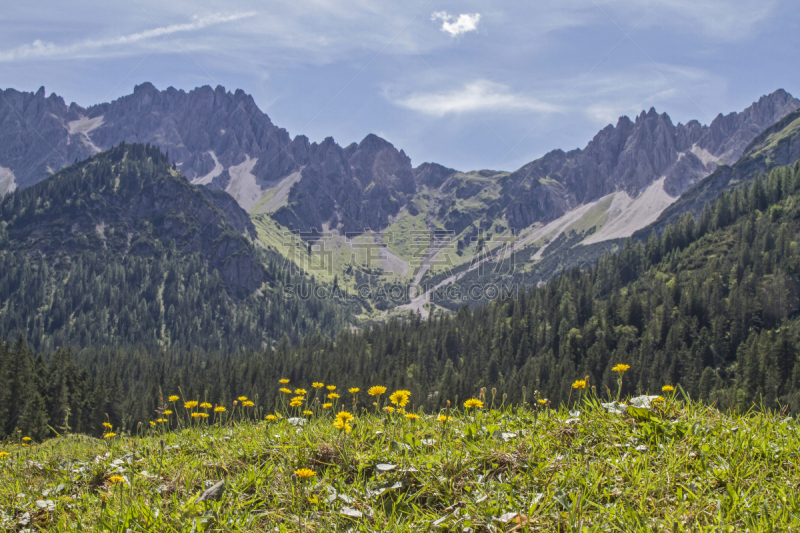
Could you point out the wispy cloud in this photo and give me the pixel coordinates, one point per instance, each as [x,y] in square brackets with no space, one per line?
[480,95]
[457,25]
[46,50]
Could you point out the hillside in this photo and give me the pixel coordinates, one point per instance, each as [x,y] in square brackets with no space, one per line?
[121,248]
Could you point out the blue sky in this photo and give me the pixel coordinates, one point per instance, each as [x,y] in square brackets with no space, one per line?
[468,84]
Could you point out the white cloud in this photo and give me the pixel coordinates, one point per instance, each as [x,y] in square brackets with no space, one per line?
[480,95]
[463,23]
[47,50]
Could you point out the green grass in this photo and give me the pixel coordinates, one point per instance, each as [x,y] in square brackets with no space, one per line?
[680,466]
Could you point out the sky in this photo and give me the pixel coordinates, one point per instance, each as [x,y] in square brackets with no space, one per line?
[468,84]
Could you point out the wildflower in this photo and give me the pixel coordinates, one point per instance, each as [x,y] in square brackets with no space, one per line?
[412,416]
[317,385]
[286,391]
[667,388]
[542,401]
[3,455]
[107,425]
[658,400]
[473,403]
[173,398]
[167,412]
[389,409]
[305,473]
[26,439]
[152,423]
[327,405]
[333,396]
[247,403]
[579,384]
[190,405]
[354,390]
[203,415]
[116,479]
[242,398]
[401,411]
[342,425]
[205,405]
[298,399]
[295,404]
[271,417]
[621,368]
[400,397]
[344,415]
[195,415]
[301,392]
[376,390]
[283,381]
[444,418]
[161,420]
[219,409]
[331,387]
[108,435]
[308,413]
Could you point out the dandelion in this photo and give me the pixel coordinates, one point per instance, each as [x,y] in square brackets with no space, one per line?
[305,473]
[205,405]
[116,479]
[342,425]
[190,405]
[26,439]
[542,401]
[400,397]
[376,390]
[283,381]
[286,391]
[443,418]
[3,455]
[174,398]
[152,423]
[308,413]
[621,368]
[473,403]
[109,435]
[344,415]
[412,416]
[298,399]
[247,403]
[389,409]
[658,400]
[167,412]
[579,384]
[317,385]
[333,396]
[331,387]
[401,411]
[107,425]
[667,388]
[219,409]
[271,417]
[354,390]
[242,398]
[195,415]
[327,405]
[161,420]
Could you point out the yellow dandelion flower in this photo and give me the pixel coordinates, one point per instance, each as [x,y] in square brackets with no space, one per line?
[204,415]
[327,405]
[116,479]
[109,435]
[412,416]
[389,409]
[473,403]
[298,399]
[333,396]
[305,473]
[401,411]
[242,398]
[657,400]
[195,415]
[3,455]
[542,401]
[621,368]
[190,405]
[162,420]
[152,423]
[301,392]
[342,425]
[26,439]
[317,385]
[286,391]
[579,384]
[167,412]
[354,390]
[247,403]
[400,397]
[308,413]
[205,405]
[219,409]
[667,388]
[271,417]
[283,381]
[443,418]
[331,387]
[107,425]
[376,390]
[174,398]
[344,415]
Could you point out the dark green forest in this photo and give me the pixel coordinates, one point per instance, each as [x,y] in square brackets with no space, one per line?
[710,305]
